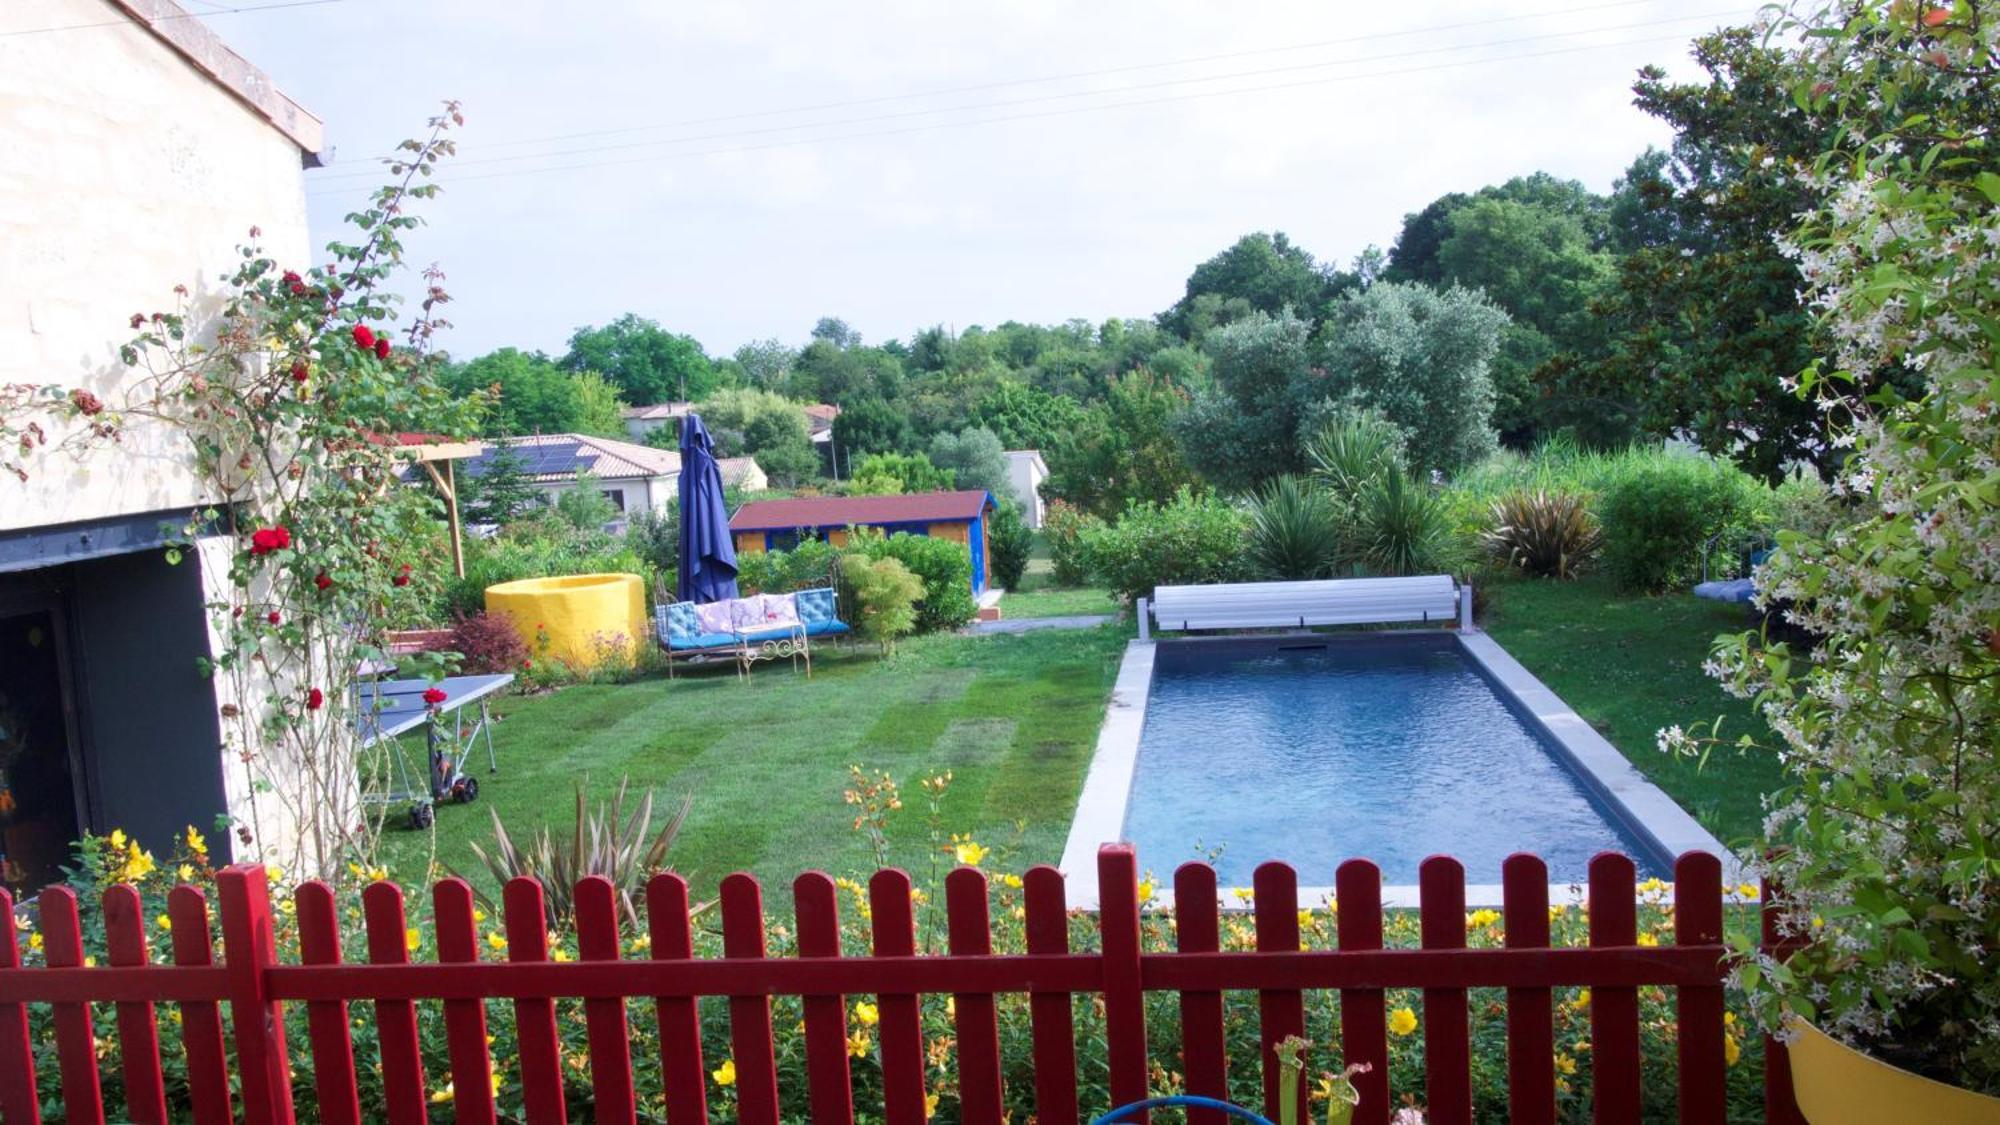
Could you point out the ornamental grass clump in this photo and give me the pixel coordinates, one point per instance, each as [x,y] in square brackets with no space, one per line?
[1886,852]
[604,840]
[1544,534]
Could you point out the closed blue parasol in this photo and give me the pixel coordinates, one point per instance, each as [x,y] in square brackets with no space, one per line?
[708,559]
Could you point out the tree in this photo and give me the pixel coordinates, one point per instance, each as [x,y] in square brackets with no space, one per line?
[1416,253]
[534,395]
[1025,417]
[599,408]
[765,364]
[871,425]
[1267,272]
[501,492]
[1124,449]
[1247,430]
[584,506]
[894,474]
[833,330]
[1420,357]
[647,363]
[769,427]
[974,458]
[1704,311]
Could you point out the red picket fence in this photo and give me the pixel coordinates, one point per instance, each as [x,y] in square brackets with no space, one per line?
[254,984]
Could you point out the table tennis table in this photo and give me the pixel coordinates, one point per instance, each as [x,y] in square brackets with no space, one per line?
[385,710]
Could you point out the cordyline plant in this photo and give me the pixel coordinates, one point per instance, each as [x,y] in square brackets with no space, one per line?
[1887,850]
[606,841]
[288,391]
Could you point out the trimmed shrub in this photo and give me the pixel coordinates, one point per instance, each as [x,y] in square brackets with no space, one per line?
[1063,526]
[1011,541]
[487,645]
[1295,531]
[944,567]
[1659,518]
[1546,534]
[884,597]
[1188,540]
[810,563]
[536,548]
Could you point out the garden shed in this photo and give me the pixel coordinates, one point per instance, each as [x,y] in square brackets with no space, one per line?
[962,517]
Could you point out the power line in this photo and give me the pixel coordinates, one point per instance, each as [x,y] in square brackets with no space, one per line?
[1069,76]
[1044,98]
[169,18]
[1071,111]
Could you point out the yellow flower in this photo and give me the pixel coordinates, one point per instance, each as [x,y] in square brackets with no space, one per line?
[164,923]
[951,1006]
[1011,880]
[559,955]
[1481,918]
[440,1096]
[1565,1064]
[494,1079]
[1583,998]
[1402,1022]
[194,841]
[1305,919]
[34,941]
[412,939]
[858,1044]
[968,853]
[930,1105]
[1243,894]
[1747,890]
[478,915]
[724,1075]
[138,863]
[1146,889]
[186,872]
[867,1014]
[1647,939]
[642,943]
[496,939]
[1731,1050]
[117,839]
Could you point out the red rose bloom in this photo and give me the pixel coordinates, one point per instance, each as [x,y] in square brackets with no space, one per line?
[292,277]
[275,617]
[402,577]
[382,348]
[322,581]
[434,696]
[315,699]
[363,338]
[267,539]
[299,371]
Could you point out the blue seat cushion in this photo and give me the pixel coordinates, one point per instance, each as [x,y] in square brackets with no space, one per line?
[823,628]
[702,640]
[1732,590]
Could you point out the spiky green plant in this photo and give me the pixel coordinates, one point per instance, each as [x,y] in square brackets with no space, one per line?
[605,841]
[1546,534]
[1403,528]
[1353,449]
[1295,530]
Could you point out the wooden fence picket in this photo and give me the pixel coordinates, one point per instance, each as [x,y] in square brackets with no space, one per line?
[1614,1011]
[1198,929]
[1124,980]
[893,929]
[607,1035]
[395,1019]
[138,1033]
[1447,1036]
[969,931]
[472,1100]
[1364,1033]
[1052,1014]
[76,1042]
[19,1100]
[1699,1031]
[1531,1031]
[336,1085]
[829,1079]
[681,1072]
[749,1016]
[1281,1012]
[534,1013]
[201,1020]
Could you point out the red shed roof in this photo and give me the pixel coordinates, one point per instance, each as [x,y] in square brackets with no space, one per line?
[840,511]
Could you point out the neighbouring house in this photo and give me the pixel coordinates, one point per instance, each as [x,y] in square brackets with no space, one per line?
[140,150]
[641,421]
[743,474]
[819,422]
[633,477]
[777,525]
[1025,473]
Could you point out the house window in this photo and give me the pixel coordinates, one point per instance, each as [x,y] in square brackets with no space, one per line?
[616,496]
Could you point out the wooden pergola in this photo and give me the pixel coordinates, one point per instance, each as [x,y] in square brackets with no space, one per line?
[432,451]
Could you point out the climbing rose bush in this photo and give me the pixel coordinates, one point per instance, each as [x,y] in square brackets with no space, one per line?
[1887,850]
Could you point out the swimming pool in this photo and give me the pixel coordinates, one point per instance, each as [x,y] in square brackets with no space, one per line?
[1389,746]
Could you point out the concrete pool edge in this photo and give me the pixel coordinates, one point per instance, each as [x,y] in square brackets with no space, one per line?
[1639,805]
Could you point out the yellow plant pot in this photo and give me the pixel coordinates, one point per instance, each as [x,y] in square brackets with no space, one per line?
[1838,1085]
[580,619]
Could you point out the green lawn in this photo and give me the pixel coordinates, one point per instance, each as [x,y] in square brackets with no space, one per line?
[1053,602]
[1014,718]
[1632,665]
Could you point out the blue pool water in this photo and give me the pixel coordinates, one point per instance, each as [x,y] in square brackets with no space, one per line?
[1389,749]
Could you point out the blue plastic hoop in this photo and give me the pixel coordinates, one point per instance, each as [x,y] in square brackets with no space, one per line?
[1197,1101]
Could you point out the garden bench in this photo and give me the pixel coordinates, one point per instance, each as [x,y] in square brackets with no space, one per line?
[1436,598]
[746,630]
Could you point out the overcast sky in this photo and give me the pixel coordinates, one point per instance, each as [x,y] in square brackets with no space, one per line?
[738,169]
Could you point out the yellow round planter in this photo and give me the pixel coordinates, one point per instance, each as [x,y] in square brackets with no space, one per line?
[579,619]
[1838,1085]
